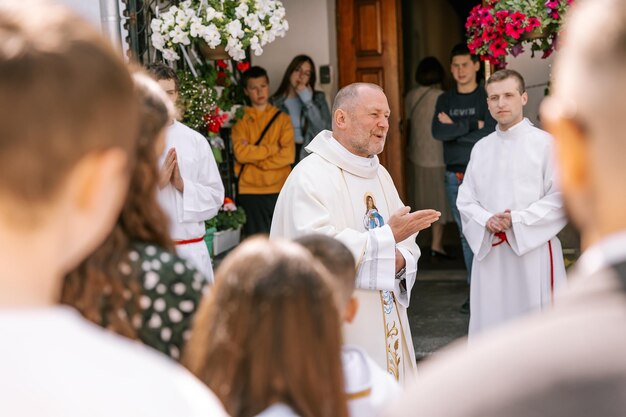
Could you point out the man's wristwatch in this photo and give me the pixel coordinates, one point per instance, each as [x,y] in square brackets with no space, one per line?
[401,273]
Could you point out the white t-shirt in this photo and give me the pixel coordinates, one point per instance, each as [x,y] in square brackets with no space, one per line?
[55,363]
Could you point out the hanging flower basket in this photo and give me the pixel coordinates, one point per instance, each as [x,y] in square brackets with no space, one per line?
[214,54]
[503,27]
[234,24]
[534,35]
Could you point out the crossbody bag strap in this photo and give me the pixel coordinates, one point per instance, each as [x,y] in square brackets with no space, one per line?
[258,141]
[419,101]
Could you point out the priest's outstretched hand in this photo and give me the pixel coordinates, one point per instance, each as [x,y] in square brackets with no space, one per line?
[403,223]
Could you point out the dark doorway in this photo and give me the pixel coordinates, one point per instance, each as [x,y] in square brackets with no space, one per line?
[432,28]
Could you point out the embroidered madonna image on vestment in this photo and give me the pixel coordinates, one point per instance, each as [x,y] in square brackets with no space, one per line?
[372,219]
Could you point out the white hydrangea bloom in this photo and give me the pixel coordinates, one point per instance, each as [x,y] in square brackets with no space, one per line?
[256,23]
[235,49]
[253,22]
[234,29]
[157,41]
[264,8]
[182,19]
[178,35]
[241,11]
[255,45]
[265,38]
[168,19]
[155,25]
[211,35]
[210,14]
[196,28]
[170,55]
[280,12]
[275,21]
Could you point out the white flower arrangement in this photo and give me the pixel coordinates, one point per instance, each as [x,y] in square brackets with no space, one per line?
[236,24]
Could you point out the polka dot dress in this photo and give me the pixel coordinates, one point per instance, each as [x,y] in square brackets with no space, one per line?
[172,290]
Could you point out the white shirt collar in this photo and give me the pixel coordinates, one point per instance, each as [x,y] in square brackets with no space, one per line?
[513,130]
[349,156]
[326,146]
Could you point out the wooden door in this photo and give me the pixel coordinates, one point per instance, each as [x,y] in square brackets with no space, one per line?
[368,49]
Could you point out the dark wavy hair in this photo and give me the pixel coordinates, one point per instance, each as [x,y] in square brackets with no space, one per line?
[96,287]
[429,72]
[270,332]
[295,63]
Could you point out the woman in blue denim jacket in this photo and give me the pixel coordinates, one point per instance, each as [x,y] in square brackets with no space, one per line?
[307,108]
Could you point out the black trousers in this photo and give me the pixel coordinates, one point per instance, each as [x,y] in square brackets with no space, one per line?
[259,211]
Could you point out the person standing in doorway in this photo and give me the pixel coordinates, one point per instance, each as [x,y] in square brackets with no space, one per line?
[461,119]
[427,170]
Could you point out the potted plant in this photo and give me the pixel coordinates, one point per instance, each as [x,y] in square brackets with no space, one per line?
[233,24]
[224,230]
[212,99]
[501,27]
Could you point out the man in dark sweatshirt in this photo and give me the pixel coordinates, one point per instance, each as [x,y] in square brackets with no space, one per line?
[461,119]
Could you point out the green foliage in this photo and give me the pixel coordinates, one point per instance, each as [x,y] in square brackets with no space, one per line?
[227,219]
[197,98]
[214,87]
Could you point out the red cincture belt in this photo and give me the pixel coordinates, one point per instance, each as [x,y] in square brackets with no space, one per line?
[188,241]
[502,237]
[551,272]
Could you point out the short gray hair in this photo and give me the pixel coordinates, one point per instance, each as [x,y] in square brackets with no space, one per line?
[348,95]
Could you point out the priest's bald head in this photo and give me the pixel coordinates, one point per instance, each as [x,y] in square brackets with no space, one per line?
[586,114]
[361,118]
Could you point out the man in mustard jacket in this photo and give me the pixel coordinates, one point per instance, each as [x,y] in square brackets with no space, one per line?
[264,148]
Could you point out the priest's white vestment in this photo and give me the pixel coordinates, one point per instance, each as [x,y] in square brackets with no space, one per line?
[513,170]
[337,193]
[202,196]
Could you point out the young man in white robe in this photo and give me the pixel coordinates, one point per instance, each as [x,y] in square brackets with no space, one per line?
[341,190]
[191,189]
[511,209]
[64,177]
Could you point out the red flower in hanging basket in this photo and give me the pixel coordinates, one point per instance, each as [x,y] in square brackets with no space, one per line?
[501,27]
[243,66]
[215,120]
[221,63]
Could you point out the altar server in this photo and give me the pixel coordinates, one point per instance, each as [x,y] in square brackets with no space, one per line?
[511,209]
